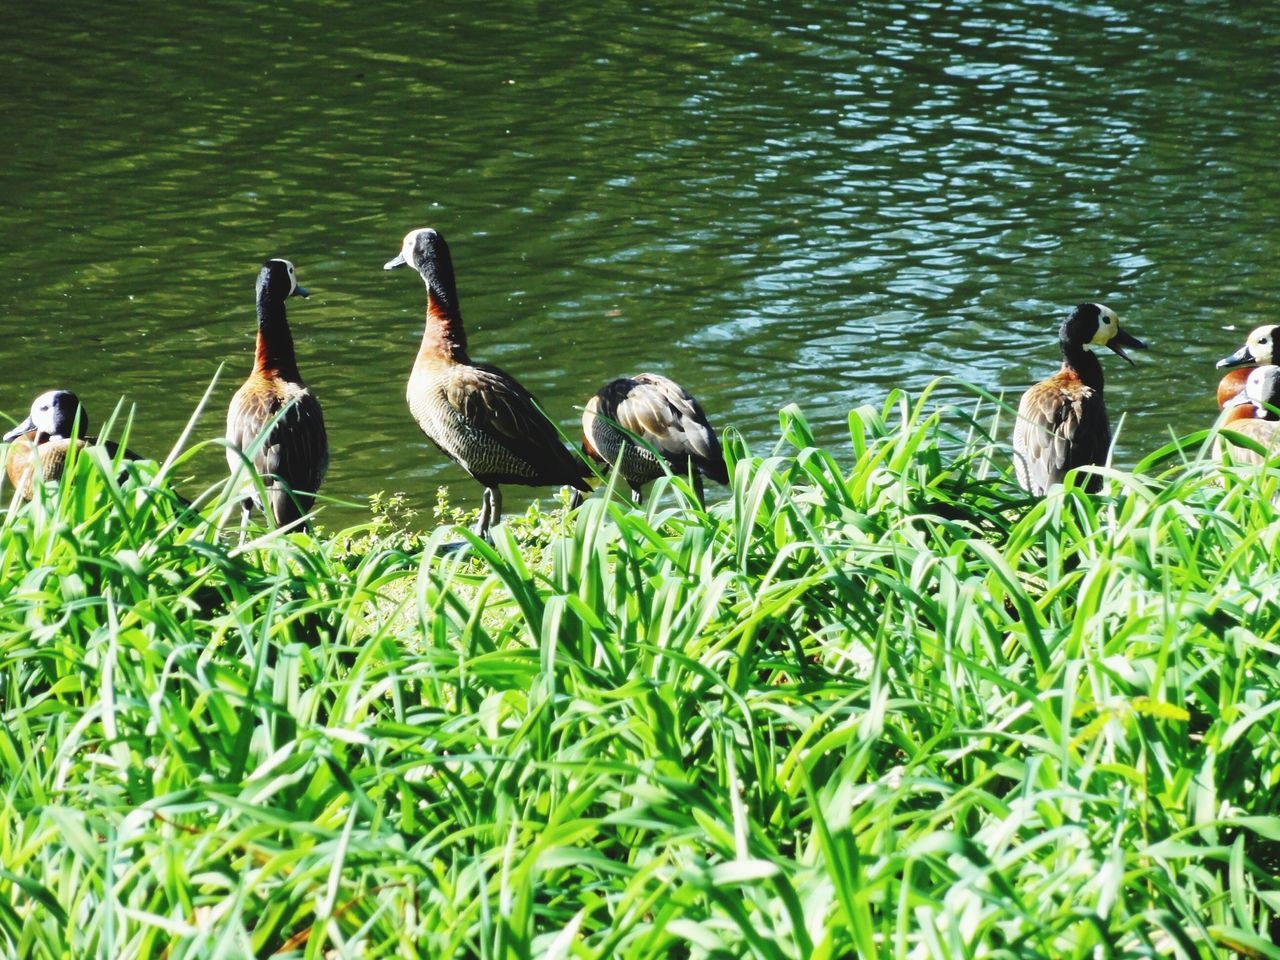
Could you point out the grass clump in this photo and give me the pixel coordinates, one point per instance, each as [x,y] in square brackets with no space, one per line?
[875,703]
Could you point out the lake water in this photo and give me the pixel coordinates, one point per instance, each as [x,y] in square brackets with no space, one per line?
[767,202]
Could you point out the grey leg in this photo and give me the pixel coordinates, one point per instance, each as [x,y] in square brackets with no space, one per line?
[490,511]
[245,507]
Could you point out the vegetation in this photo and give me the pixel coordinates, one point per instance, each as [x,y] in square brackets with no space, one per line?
[876,703]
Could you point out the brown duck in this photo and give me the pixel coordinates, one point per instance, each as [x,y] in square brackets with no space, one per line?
[1261,392]
[479,416]
[648,424]
[1062,421]
[293,457]
[45,439]
[1258,350]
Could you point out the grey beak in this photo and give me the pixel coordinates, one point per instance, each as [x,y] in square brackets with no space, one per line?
[1125,339]
[399,261]
[26,426]
[1238,359]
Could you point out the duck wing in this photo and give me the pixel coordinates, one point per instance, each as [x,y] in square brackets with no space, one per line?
[662,413]
[1059,427]
[494,404]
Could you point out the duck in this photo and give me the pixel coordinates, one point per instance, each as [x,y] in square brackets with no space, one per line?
[1259,424]
[1257,351]
[479,416]
[649,424]
[1062,421]
[56,423]
[293,458]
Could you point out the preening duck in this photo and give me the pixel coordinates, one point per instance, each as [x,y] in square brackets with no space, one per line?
[1062,421]
[293,457]
[45,439]
[649,420]
[1261,391]
[479,416]
[1258,350]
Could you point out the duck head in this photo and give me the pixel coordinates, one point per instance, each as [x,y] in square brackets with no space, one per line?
[53,414]
[1094,325]
[276,281]
[424,249]
[1257,348]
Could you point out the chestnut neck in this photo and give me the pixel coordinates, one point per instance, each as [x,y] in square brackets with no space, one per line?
[275,355]
[444,337]
[1240,411]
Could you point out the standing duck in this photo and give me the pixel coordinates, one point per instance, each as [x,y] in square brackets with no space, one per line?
[1261,390]
[646,420]
[1062,421]
[1257,351]
[293,458]
[45,438]
[478,415]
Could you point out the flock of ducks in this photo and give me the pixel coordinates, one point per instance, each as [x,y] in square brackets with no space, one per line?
[478,415]
[484,420]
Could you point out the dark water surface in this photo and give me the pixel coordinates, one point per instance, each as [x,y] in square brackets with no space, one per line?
[768,202]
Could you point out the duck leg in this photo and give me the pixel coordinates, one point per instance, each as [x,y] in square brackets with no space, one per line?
[246,507]
[490,511]
[697,487]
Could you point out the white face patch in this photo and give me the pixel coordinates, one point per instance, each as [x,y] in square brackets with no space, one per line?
[1261,387]
[52,412]
[410,242]
[1108,326]
[1260,345]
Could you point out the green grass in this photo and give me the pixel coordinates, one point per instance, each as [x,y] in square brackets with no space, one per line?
[875,703]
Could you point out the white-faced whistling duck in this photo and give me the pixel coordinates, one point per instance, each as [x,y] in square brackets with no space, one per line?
[46,437]
[292,459]
[1257,351]
[646,420]
[479,416]
[1062,421]
[1261,391]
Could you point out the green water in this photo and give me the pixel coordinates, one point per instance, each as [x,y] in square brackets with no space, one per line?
[768,202]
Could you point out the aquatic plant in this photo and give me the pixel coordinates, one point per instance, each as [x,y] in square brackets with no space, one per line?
[875,703]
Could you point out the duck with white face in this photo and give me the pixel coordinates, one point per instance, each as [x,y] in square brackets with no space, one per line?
[1261,423]
[41,443]
[1258,350]
[1062,421]
[478,415]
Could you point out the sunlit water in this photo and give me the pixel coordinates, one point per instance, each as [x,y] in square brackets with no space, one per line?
[770,203]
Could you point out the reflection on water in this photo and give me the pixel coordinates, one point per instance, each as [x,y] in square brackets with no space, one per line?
[768,203]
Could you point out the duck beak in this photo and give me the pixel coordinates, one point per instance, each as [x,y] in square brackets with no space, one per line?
[26,426]
[1123,339]
[301,292]
[399,261]
[1240,358]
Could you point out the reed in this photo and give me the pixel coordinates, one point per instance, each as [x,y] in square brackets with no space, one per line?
[875,703]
